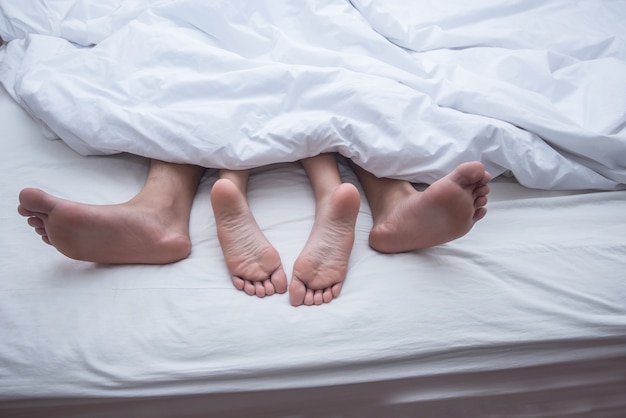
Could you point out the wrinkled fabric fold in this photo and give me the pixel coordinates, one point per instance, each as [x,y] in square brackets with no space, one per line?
[404,89]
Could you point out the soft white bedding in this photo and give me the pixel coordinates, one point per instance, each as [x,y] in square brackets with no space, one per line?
[406,90]
[525,316]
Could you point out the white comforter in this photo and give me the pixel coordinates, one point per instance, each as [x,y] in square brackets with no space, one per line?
[407,89]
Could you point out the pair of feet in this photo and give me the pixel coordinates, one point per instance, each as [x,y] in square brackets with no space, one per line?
[255,265]
[145,230]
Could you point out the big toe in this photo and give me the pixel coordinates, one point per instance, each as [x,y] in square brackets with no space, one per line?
[279,280]
[297,292]
[470,173]
[35,201]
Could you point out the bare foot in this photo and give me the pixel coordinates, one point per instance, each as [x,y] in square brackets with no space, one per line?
[321,267]
[254,264]
[133,232]
[445,211]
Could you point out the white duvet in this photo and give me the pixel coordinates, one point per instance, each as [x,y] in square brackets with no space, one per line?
[406,89]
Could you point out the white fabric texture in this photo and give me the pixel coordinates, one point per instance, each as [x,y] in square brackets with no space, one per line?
[405,89]
[525,316]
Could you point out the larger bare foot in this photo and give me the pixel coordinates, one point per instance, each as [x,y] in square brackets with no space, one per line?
[321,267]
[132,232]
[254,264]
[446,210]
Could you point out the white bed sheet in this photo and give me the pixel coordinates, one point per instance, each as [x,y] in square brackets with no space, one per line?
[525,316]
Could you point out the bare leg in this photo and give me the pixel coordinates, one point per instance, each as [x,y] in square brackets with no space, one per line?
[151,228]
[406,219]
[321,267]
[254,264]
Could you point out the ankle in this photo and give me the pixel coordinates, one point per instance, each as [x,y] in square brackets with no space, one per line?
[388,198]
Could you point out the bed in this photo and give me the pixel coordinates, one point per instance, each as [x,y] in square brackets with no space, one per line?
[525,316]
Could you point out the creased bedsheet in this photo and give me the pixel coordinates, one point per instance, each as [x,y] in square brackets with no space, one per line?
[523,317]
[405,89]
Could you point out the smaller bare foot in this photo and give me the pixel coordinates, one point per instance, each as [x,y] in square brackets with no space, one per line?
[254,264]
[321,267]
[134,232]
[446,210]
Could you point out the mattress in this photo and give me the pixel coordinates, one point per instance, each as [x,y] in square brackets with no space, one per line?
[523,317]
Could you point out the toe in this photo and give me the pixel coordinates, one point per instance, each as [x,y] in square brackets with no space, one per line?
[259,289]
[308,297]
[482,190]
[35,222]
[328,295]
[35,200]
[269,287]
[279,280]
[249,288]
[486,178]
[24,212]
[318,297]
[297,292]
[238,282]
[469,173]
[480,202]
[479,214]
